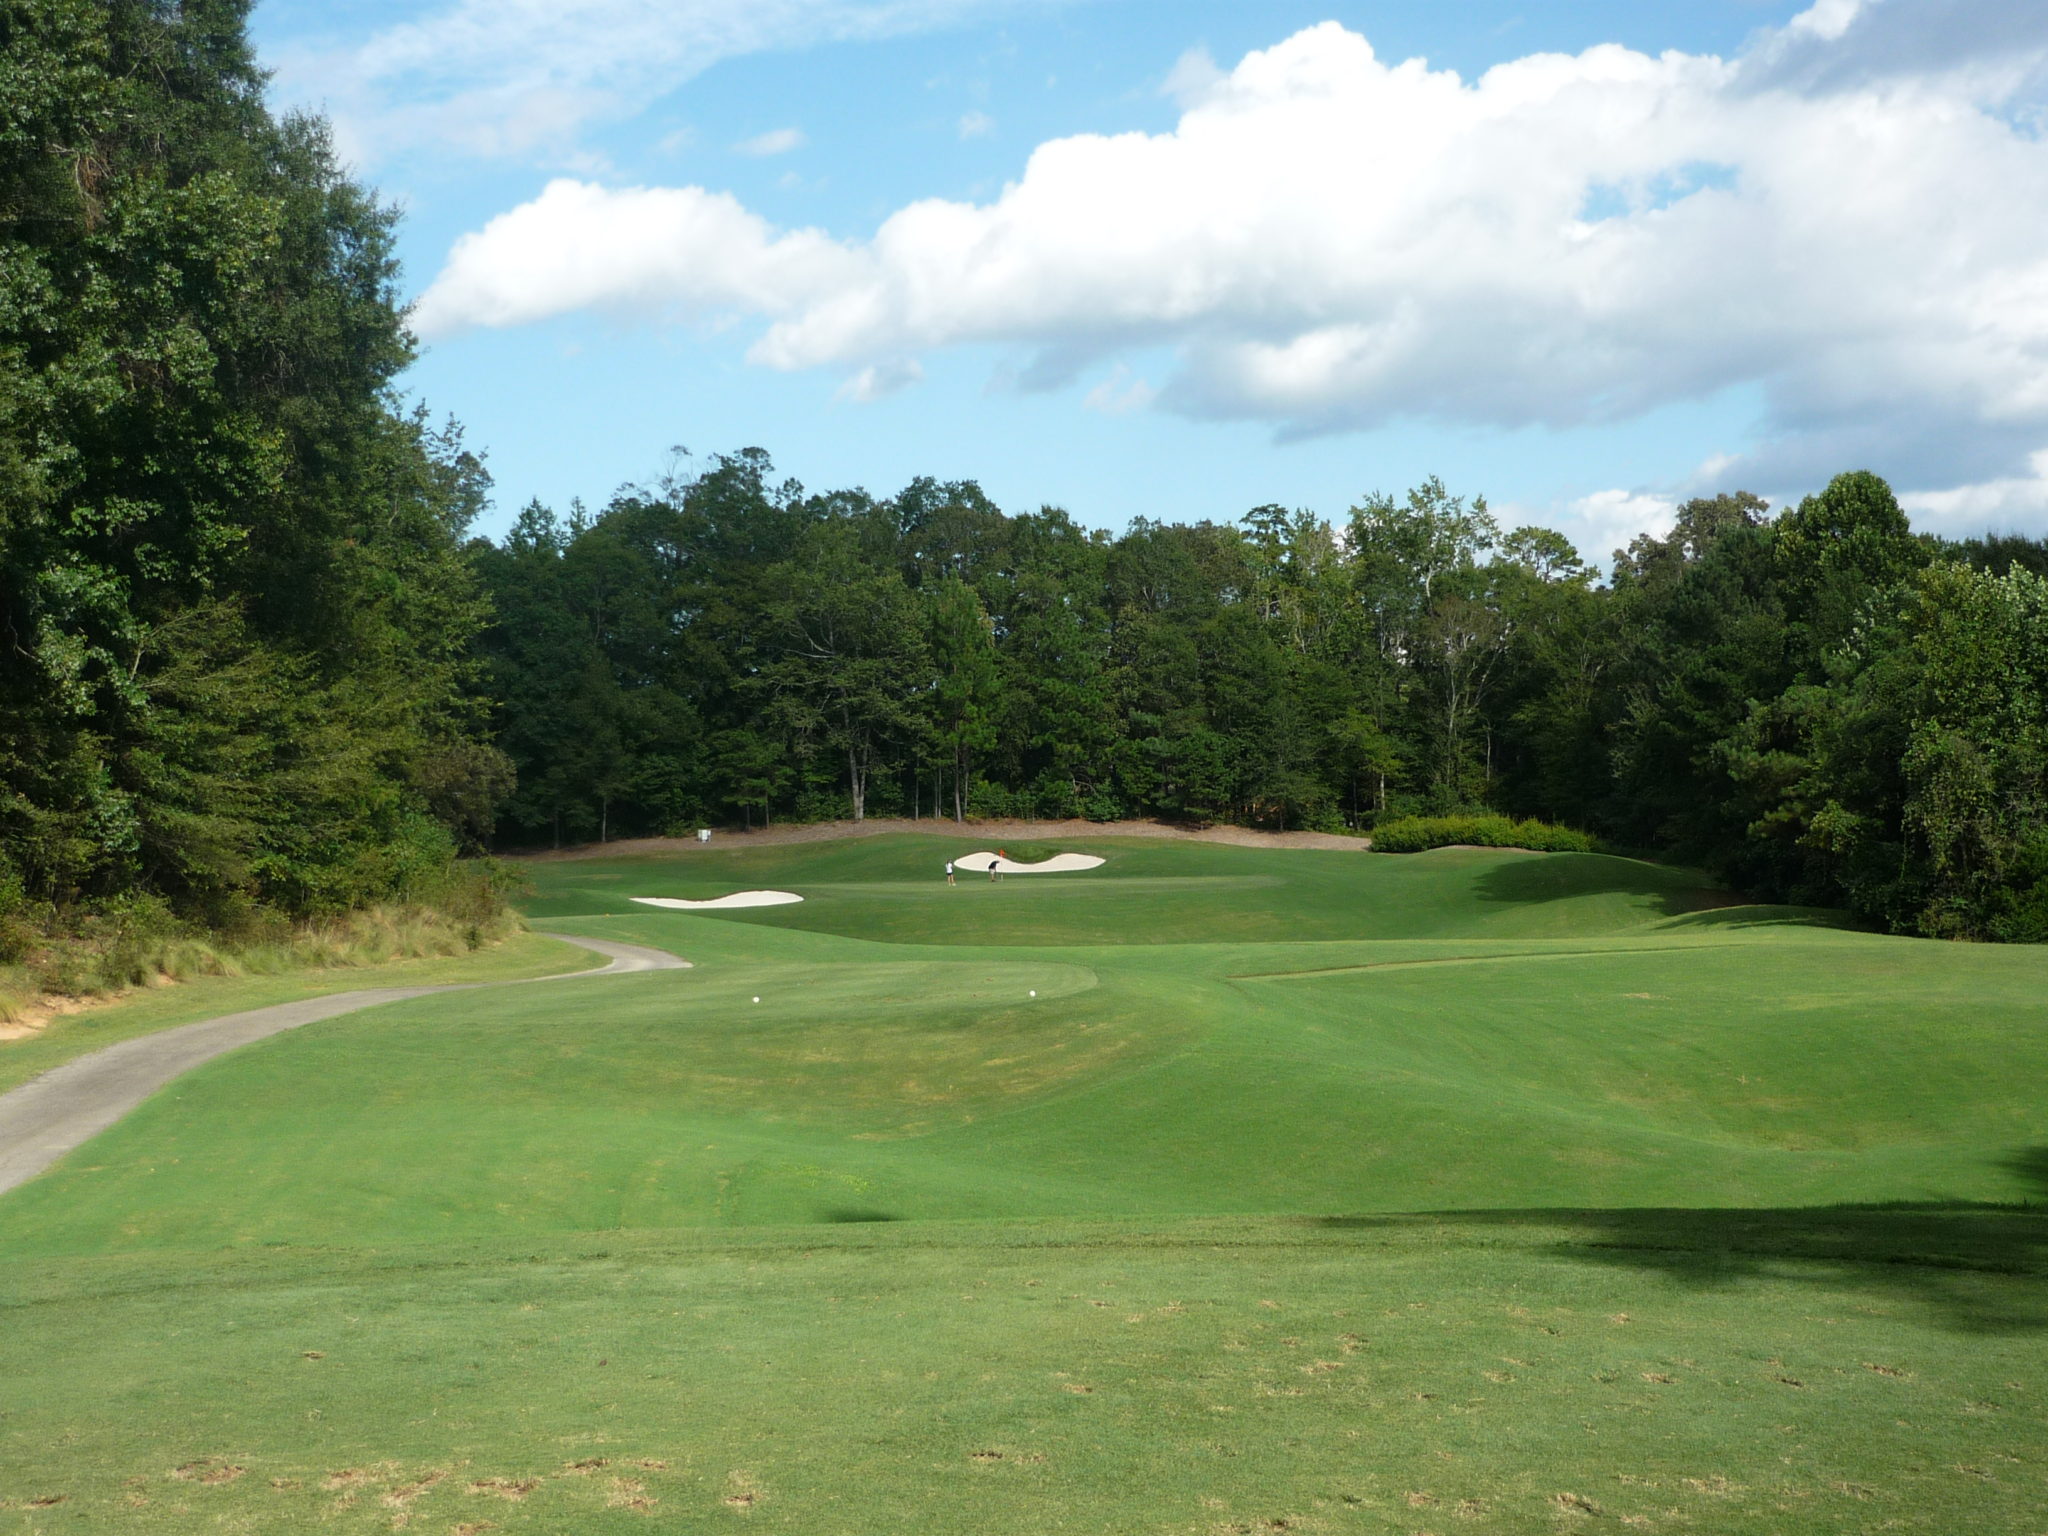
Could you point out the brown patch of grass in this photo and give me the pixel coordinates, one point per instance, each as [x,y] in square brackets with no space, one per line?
[512,1489]
[1792,1381]
[1469,1509]
[47,1500]
[474,1528]
[1716,1485]
[1884,1370]
[348,1477]
[312,1354]
[1077,1388]
[399,1497]
[285,1484]
[984,1455]
[209,1470]
[629,1493]
[588,1465]
[1421,1500]
[1574,1504]
[652,1465]
[1659,1378]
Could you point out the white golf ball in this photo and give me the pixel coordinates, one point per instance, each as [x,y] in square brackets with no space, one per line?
[1034,994]
[757,999]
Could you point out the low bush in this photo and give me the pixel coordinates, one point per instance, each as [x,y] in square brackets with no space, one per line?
[1415,834]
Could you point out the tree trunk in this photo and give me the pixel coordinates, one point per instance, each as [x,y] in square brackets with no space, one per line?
[857,781]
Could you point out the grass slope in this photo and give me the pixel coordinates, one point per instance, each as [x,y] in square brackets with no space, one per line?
[966,1258]
[519,958]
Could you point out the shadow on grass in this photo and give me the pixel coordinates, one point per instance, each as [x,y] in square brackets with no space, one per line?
[844,1214]
[1978,1268]
[1759,915]
[1564,875]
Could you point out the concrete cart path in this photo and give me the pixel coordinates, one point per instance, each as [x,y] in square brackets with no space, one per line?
[47,1116]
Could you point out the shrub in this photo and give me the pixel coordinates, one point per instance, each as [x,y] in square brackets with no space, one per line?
[1414,834]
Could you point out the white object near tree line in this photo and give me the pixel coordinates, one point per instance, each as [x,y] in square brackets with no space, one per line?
[737,899]
[1058,864]
[703,834]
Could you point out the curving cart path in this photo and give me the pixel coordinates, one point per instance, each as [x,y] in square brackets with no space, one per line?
[49,1115]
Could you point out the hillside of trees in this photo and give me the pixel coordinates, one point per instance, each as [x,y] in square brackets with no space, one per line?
[238,674]
[254,667]
[1821,706]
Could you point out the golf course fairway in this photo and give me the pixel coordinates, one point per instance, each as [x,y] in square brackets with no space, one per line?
[1212,1190]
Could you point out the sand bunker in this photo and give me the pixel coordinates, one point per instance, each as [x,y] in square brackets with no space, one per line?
[737,899]
[1058,864]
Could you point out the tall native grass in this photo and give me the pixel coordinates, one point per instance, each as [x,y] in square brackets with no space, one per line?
[52,956]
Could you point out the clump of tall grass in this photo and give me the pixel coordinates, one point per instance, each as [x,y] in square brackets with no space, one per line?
[1416,834]
[48,955]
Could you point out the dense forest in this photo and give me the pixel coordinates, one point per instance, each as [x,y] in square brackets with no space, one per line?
[1821,706]
[255,663]
[238,672]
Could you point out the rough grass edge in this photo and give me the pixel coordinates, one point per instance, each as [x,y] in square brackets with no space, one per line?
[1418,834]
[103,961]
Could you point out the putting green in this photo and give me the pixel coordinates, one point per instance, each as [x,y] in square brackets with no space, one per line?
[1193,1081]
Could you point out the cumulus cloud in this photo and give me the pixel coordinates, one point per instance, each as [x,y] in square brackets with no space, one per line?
[1120,393]
[1329,241]
[1606,521]
[517,77]
[2013,502]
[878,380]
[679,251]
[776,141]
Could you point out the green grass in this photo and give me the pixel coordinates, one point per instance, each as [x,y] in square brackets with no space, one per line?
[816,1253]
[518,958]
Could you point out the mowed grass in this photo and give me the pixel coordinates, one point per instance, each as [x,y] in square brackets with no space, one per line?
[1731,1224]
[521,957]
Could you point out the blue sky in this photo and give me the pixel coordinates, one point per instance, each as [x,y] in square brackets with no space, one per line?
[1660,249]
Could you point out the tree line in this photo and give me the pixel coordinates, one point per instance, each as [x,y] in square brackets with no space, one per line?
[1821,705]
[253,662]
[238,665]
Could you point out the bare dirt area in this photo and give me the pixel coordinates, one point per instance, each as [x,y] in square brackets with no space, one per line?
[877,826]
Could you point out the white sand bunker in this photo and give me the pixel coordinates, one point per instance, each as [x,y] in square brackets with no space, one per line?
[1058,864]
[737,899]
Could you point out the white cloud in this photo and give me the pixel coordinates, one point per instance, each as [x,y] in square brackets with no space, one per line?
[776,141]
[2014,503]
[679,251]
[1193,78]
[878,380]
[523,77]
[1606,521]
[1120,394]
[1327,241]
[976,125]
